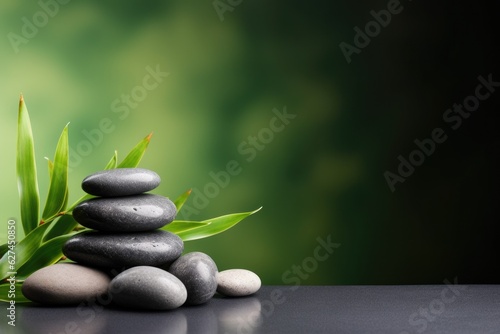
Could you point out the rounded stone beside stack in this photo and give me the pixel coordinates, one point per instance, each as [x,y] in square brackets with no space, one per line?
[120,182]
[237,282]
[198,273]
[65,284]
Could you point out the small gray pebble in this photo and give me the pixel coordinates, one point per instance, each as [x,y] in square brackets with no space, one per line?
[198,273]
[148,288]
[124,250]
[237,282]
[137,213]
[120,182]
[65,284]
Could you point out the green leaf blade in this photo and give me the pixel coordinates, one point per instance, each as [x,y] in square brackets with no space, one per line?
[5,291]
[179,202]
[47,254]
[134,157]
[3,249]
[178,226]
[24,250]
[216,226]
[58,188]
[50,166]
[112,162]
[63,225]
[27,181]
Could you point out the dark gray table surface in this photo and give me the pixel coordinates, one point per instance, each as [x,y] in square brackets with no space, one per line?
[285,309]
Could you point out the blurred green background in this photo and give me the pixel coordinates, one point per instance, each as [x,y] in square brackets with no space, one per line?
[323,174]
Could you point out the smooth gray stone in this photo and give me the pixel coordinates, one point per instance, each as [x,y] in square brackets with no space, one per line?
[146,287]
[124,250]
[65,284]
[120,182]
[137,213]
[198,273]
[237,282]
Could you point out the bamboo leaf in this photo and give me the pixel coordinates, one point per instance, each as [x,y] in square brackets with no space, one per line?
[178,226]
[24,250]
[50,166]
[63,225]
[5,291]
[135,155]
[27,182]
[81,199]
[48,253]
[58,188]
[113,162]
[3,249]
[217,225]
[65,201]
[179,202]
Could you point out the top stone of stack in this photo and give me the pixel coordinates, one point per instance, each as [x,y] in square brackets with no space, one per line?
[120,182]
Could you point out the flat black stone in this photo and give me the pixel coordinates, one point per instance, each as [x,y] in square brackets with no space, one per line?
[120,182]
[198,273]
[124,250]
[137,213]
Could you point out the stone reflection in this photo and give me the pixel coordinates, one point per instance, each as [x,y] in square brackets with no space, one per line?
[240,315]
[201,318]
[57,320]
[98,320]
[220,315]
[132,321]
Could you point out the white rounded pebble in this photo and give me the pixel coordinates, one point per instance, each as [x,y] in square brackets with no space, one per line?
[237,282]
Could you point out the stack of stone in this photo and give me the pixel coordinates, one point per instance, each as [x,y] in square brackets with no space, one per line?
[126,240]
[125,222]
